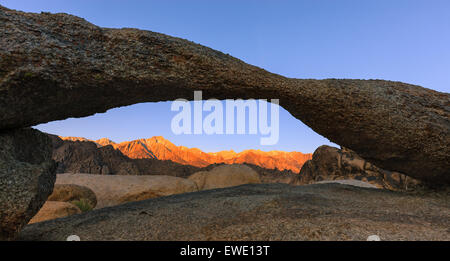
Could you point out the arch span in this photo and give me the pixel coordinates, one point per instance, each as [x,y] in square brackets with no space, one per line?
[55,66]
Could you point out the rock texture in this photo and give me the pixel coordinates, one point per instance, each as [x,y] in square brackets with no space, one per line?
[53,210]
[329,163]
[262,212]
[225,176]
[113,190]
[72,192]
[27,175]
[55,66]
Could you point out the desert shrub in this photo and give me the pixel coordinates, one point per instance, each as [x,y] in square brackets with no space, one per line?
[83,204]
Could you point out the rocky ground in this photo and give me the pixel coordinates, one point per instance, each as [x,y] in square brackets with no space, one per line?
[262,212]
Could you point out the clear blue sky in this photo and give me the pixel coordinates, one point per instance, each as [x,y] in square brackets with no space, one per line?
[402,40]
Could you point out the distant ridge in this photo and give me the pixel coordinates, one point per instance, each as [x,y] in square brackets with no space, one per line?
[158,147]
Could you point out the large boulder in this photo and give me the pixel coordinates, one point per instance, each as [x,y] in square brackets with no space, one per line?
[55,209]
[27,175]
[55,66]
[261,212]
[329,163]
[225,176]
[72,192]
[113,190]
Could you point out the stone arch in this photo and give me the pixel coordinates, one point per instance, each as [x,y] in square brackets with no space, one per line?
[55,66]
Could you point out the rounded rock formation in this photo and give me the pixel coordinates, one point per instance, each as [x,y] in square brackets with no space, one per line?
[225,176]
[329,163]
[72,192]
[118,189]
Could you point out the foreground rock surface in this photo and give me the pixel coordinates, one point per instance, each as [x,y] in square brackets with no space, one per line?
[225,176]
[261,212]
[55,66]
[113,190]
[55,209]
[27,175]
[329,163]
[352,182]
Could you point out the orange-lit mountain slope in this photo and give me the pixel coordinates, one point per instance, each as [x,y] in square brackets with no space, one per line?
[159,148]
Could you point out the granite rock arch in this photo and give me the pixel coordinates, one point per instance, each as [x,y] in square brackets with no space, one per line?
[55,66]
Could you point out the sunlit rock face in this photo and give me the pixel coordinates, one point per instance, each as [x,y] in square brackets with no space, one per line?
[55,66]
[55,209]
[162,149]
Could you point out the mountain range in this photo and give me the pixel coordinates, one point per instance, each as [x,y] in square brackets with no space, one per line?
[160,148]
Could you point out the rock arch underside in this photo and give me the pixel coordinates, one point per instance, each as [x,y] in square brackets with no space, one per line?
[55,66]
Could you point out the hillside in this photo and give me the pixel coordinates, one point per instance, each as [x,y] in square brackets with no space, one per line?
[162,149]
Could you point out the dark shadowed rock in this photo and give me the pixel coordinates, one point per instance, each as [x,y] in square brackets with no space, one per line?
[55,66]
[27,175]
[261,212]
[329,163]
[164,167]
[86,157]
